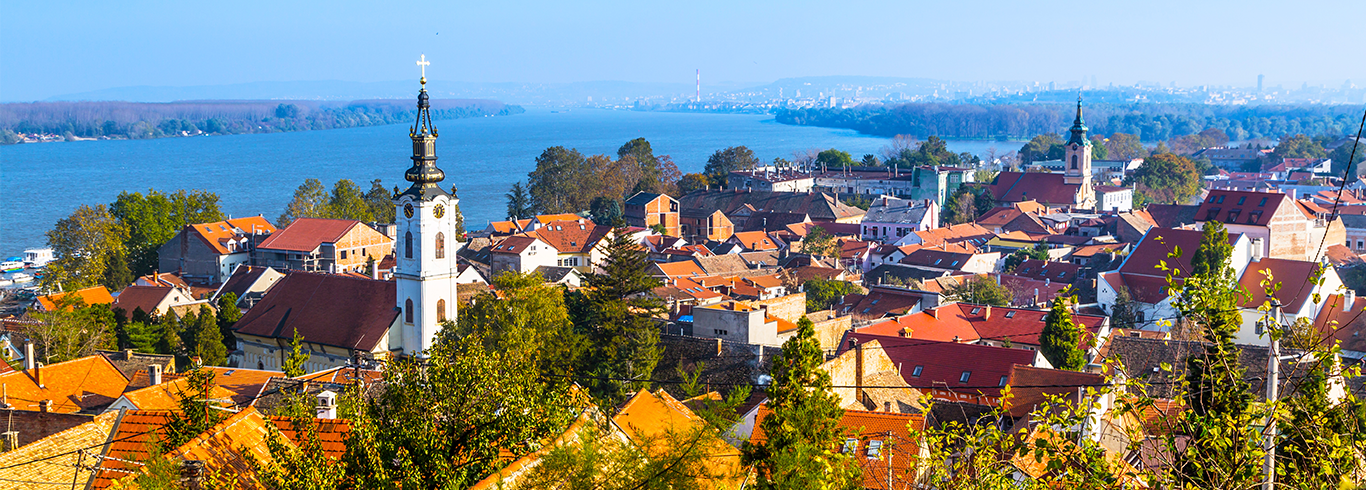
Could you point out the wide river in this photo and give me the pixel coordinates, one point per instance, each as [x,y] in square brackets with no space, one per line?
[257,173]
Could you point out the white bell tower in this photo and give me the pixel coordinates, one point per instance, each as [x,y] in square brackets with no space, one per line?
[1077,160]
[425,265]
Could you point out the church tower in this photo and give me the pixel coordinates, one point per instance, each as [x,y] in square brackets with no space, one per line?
[1077,159]
[425,266]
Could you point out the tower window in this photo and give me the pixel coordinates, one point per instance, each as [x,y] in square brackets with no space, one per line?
[440,310]
[408,245]
[1074,162]
[408,310]
[440,245]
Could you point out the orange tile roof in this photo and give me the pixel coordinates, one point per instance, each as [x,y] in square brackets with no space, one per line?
[136,433]
[218,233]
[966,232]
[755,240]
[1289,273]
[686,268]
[651,417]
[55,458]
[83,384]
[94,295]
[167,395]
[244,384]
[766,282]
[892,431]
[784,326]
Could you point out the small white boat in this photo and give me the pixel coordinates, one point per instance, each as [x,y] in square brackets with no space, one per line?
[12,264]
[19,277]
[38,257]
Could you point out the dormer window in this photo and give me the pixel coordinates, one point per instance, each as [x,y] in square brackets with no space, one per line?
[964,377]
[916,372]
[1233,215]
[1263,203]
[1213,214]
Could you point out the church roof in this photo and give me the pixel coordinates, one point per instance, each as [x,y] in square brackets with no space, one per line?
[1046,188]
[329,309]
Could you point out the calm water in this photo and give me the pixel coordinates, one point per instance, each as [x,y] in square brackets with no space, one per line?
[257,173]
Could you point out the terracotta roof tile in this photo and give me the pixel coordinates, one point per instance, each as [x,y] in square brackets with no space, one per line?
[1289,273]
[218,233]
[943,364]
[80,385]
[145,297]
[340,311]
[649,417]
[1240,207]
[54,458]
[307,234]
[94,295]
[573,236]
[892,433]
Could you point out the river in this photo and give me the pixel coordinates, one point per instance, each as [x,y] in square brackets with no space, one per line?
[257,173]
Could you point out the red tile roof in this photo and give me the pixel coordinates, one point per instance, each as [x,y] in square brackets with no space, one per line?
[1159,242]
[880,302]
[942,364]
[145,297]
[573,236]
[346,312]
[755,240]
[1030,385]
[892,431]
[1046,188]
[969,322]
[1240,207]
[1343,326]
[972,233]
[307,234]
[1052,271]
[1291,274]
[513,245]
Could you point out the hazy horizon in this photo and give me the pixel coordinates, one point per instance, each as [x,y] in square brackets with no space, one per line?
[143,44]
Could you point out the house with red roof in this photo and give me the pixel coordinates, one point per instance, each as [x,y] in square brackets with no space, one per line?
[207,253]
[1292,285]
[1274,222]
[646,209]
[578,243]
[329,245]
[94,295]
[950,371]
[1049,189]
[1146,284]
[880,443]
[521,253]
[338,317]
[997,326]
[153,300]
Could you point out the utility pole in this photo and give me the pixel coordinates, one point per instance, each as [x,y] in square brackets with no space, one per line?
[1273,378]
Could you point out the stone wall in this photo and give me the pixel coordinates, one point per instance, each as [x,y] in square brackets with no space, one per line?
[845,371]
[724,365]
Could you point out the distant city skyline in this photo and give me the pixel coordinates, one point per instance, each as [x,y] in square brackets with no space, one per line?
[55,49]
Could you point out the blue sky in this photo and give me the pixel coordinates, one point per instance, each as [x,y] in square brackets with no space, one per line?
[49,48]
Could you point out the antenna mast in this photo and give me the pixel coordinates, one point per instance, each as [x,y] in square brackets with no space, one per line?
[699,85]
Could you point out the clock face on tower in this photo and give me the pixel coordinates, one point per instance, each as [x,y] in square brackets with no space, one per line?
[408,210]
[439,211]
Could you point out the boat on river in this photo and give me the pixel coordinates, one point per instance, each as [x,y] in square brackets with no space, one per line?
[12,264]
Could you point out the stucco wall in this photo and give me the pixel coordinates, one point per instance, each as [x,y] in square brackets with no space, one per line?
[790,307]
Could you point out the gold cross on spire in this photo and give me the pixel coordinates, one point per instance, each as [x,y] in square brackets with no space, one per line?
[422,63]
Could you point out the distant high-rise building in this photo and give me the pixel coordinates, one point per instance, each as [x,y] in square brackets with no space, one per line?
[1260,79]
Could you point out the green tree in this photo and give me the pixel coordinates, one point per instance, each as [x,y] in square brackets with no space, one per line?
[381,202]
[693,182]
[979,291]
[72,331]
[84,245]
[558,182]
[1167,178]
[821,243]
[228,314]
[606,210]
[834,158]
[450,420]
[1060,340]
[527,319]
[1042,147]
[1098,149]
[294,364]
[519,203]
[721,163]
[870,160]
[1038,252]
[1320,440]
[1126,309]
[802,432]
[168,339]
[310,201]
[821,294]
[1297,146]
[197,411]
[618,320]
[154,218]
[1122,146]
[348,202]
[208,339]
[1342,154]
[1224,446]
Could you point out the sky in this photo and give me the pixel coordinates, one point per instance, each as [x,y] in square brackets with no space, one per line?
[54,47]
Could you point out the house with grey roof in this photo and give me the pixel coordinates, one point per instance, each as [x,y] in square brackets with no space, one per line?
[893,218]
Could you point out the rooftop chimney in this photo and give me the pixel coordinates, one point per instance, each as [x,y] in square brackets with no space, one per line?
[934,312]
[38,374]
[987,316]
[154,372]
[28,355]
[1349,300]
[327,405]
[45,406]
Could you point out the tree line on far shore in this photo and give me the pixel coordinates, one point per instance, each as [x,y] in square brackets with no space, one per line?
[137,120]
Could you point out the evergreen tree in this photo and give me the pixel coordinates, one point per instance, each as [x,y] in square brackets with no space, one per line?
[1061,336]
[294,364]
[228,314]
[196,414]
[168,335]
[802,441]
[519,202]
[209,339]
[617,317]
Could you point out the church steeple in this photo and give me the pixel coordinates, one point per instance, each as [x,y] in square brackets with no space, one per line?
[424,174]
[1079,128]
